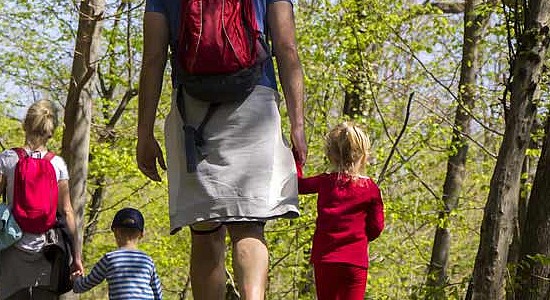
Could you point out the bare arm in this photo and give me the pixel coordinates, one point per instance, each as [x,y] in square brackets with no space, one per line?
[155,55]
[65,208]
[283,33]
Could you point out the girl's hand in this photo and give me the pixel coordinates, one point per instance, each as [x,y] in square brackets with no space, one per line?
[299,166]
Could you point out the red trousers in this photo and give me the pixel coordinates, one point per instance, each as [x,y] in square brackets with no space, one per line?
[334,281]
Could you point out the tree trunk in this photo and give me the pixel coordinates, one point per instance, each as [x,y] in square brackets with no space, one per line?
[528,173]
[501,207]
[353,104]
[535,246]
[94,208]
[474,24]
[78,109]
[518,225]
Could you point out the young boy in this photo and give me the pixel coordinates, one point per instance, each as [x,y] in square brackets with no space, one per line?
[130,273]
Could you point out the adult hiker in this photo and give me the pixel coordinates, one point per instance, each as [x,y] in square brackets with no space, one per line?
[229,167]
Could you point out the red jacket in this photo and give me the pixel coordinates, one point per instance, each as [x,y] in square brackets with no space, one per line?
[350,213]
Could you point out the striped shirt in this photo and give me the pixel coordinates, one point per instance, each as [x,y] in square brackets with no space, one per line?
[131,274]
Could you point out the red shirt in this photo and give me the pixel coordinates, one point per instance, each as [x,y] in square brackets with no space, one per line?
[350,213]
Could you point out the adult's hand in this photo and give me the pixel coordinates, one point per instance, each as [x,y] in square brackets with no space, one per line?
[148,153]
[77,267]
[299,145]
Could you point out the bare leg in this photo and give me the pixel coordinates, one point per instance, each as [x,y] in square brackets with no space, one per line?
[208,265]
[250,259]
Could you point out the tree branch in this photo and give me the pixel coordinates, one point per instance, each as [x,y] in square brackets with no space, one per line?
[440,83]
[128,95]
[449,8]
[407,115]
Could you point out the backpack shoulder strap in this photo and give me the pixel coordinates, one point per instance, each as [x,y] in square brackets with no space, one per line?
[193,136]
[49,156]
[20,152]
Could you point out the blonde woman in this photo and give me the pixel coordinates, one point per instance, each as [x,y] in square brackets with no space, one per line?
[350,214]
[24,269]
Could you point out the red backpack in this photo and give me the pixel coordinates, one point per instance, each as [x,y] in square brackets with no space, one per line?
[221,53]
[220,49]
[34,192]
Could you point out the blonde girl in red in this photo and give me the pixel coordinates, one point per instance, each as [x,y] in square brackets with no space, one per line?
[350,214]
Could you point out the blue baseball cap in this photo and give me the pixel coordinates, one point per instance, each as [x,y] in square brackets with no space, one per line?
[128,218]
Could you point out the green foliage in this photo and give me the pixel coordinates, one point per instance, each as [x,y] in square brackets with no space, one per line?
[376,51]
[11,133]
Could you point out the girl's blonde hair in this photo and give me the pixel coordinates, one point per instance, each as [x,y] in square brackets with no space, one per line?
[348,148]
[40,123]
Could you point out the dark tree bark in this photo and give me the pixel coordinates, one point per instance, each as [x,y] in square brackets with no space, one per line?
[475,21]
[450,7]
[527,177]
[356,103]
[501,207]
[94,209]
[535,247]
[353,103]
[518,225]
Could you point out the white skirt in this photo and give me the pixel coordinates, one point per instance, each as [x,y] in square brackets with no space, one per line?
[246,172]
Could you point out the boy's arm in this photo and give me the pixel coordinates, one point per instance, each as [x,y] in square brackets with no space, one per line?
[96,276]
[155,285]
[375,215]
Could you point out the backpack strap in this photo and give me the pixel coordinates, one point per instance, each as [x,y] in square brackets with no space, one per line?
[49,156]
[22,153]
[193,136]
[266,39]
